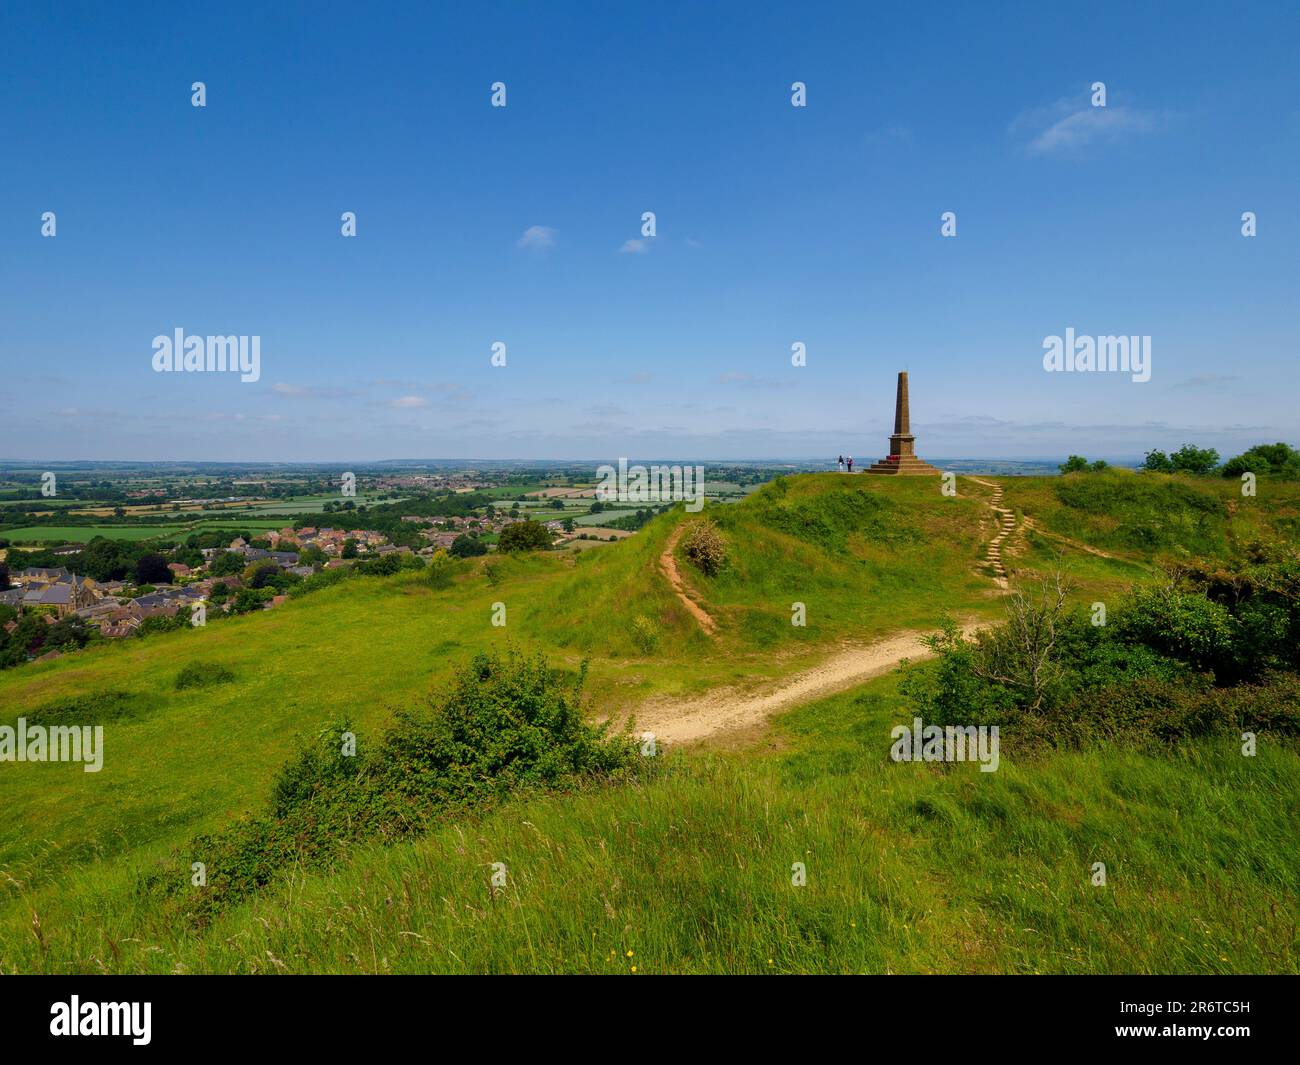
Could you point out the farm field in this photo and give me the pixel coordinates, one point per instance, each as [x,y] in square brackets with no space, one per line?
[86,533]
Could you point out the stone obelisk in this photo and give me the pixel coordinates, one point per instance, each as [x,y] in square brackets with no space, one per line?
[902,444]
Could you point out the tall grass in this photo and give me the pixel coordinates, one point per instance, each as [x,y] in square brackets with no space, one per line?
[910,868]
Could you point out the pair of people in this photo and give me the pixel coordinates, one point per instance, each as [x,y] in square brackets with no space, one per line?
[849,460]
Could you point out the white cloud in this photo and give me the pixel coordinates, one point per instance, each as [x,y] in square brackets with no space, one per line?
[634,247]
[537,238]
[1065,125]
[408,402]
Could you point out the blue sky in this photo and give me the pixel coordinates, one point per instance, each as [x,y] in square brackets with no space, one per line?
[775,224]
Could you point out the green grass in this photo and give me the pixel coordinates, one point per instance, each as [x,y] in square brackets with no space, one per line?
[910,868]
[1146,516]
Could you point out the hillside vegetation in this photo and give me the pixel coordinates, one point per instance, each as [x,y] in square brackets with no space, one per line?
[911,868]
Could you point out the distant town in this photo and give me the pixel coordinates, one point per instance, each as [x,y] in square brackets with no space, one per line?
[110,551]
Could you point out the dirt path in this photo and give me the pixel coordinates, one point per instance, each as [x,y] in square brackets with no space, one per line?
[1006,521]
[675,721]
[1078,545]
[668,564]
[688,720]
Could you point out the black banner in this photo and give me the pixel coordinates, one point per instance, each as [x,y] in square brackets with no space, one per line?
[1218,1014]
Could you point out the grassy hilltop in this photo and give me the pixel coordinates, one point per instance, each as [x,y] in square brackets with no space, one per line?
[910,867]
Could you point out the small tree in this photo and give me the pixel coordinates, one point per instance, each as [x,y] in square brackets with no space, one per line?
[227,564]
[466,546]
[1279,459]
[704,546]
[1158,462]
[524,536]
[1021,653]
[1074,464]
[151,568]
[1192,459]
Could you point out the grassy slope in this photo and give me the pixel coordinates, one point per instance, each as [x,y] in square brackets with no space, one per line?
[191,761]
[910,869]
[182,762]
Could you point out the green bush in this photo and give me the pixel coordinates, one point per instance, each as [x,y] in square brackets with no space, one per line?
[525,535]
[102,708]
[1182,625]
[466,546]
[1277,460]
[1153,711]
[1174,663]
[202,675]
[442,570]
[645,634]
[505,723]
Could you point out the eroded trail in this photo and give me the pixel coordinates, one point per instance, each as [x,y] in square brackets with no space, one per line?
[690,719]
[687,720]
[1006,523]
[668,564]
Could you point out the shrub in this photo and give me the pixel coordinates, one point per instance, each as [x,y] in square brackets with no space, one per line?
[466,546]
[645,634]
[1183,625]
[324,579]
[1279,460]
[442,570]
[98,709]
[1153,710]
[526,535]
[1192,459]
[704,545]
[505,723]
[1158,462]
[202,675]
[383,566]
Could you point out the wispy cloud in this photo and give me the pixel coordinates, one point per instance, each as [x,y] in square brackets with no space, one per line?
[748,380]
[1207,380]
[537,238]
[894,132]
[283,388]
[634,247]
[408,402]
[1068,125]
